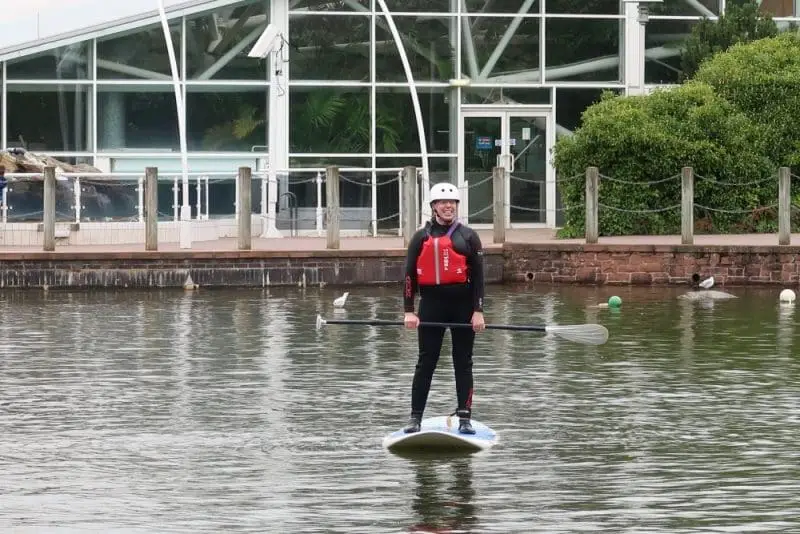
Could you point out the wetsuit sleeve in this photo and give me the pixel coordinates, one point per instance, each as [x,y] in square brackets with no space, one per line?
[475,263]
[410,277]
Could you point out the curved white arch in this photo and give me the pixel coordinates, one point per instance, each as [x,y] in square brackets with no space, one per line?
[423,142]
[186,214]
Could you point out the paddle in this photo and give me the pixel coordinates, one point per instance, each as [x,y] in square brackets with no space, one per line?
[588,334]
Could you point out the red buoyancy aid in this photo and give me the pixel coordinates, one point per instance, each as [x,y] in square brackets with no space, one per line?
[438,262]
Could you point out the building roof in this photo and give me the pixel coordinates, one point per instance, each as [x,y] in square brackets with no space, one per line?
[46,24]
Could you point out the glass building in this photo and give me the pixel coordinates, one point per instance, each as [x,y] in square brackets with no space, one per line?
[477,84]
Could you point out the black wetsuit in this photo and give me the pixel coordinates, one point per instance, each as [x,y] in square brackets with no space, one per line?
[452,303]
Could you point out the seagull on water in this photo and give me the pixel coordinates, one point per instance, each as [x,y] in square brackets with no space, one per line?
[708,283]
[339,302]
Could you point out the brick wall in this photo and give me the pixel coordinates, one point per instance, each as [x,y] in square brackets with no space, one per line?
[651,265]
[555,263]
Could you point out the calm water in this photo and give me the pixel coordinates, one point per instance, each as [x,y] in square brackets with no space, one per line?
[226,411]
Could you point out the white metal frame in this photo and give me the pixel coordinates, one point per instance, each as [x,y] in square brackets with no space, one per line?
[481,76]
[504,113]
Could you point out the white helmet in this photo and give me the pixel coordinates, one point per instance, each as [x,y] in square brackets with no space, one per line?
[445,191]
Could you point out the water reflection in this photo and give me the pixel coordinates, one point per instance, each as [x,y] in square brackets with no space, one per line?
[785,330]
[444,497]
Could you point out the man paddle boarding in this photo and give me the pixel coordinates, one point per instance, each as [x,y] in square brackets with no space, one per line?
[445,263]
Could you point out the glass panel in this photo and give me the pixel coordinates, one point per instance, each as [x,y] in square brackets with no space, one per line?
[217,42]
[480,157]
[399,162]
[299,189]
[138,54]
[328,5]
[780,8]
[25,198]
[68,62]
[222,196]
[428,45]
[396,122]
[388,200]
[355,198]
[505,95]
[411,6]
[579,49]
[331,119]
[50,118]
[354,192]
[528,145]
[226,117]
[502,54]
[221,184]
[662,41]
[571,103]
[332,47]
[440,167]
[443,169]
[696,8]
[589,7]
[321,162]
[141,117]
[502,6]
[297,201]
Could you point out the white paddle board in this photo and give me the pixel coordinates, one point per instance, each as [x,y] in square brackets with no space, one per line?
[441,434]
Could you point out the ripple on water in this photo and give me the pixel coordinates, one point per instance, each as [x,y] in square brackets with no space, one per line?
[227,411]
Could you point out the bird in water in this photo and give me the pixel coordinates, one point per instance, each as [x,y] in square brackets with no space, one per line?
[701,290]
[339,302]
[708,283]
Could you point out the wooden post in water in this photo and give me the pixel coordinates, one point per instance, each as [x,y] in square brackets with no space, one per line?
[409,192]
[245,206]
[687,206]
[151,208]
[332,209]
[49,209]
[499,194]
[592,191]
[784,206]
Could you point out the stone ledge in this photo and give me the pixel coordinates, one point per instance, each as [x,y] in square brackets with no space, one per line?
[560,263]
[66,254]
[677,248]
[651,264]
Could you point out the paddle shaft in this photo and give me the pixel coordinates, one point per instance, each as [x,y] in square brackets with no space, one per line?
[379,322]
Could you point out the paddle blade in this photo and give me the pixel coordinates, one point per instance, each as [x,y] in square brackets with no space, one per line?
[588,334]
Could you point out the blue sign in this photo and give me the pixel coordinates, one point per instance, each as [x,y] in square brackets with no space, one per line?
[483,142]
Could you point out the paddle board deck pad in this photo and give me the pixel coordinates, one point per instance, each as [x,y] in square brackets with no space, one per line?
[441,434]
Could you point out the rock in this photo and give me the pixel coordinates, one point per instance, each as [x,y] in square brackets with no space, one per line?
[20,160]
[707,294]
[102,196]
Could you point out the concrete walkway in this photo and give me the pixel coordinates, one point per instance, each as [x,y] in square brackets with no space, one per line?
[312,244]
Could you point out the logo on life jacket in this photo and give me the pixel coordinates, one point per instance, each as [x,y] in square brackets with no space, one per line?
[439,263]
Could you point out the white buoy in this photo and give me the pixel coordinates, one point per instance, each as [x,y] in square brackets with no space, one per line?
[339,302]
[787,295]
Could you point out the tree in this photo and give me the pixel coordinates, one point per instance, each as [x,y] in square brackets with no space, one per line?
[741,23]
[761,80]
[649,139]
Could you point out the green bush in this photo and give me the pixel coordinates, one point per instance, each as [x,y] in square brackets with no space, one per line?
[649,139]
[762,80]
